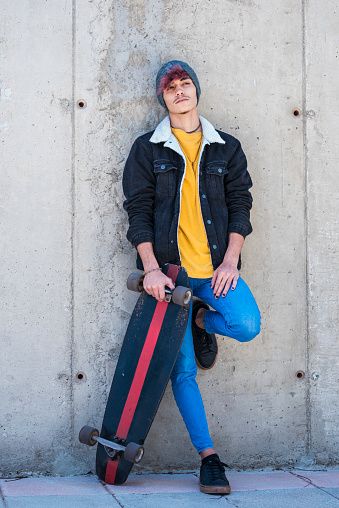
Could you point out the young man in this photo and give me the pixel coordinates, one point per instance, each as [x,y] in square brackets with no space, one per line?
[188,203]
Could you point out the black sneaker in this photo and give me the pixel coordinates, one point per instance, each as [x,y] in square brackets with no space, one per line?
[205,344]
[212,476]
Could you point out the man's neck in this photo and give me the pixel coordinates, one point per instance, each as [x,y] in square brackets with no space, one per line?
[188,122]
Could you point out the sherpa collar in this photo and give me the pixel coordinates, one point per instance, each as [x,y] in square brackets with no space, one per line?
[163,132]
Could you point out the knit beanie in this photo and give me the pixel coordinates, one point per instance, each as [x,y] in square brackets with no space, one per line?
[166,68]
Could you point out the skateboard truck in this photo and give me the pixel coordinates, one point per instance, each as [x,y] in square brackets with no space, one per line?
[180,295]
[131,452]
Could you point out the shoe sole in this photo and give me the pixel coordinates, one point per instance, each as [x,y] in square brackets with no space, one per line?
[215,489]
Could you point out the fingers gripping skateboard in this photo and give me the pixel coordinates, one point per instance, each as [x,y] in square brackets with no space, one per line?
[180,295]
[132,452]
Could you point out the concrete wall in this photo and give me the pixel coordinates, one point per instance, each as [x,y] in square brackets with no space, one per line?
[65,258]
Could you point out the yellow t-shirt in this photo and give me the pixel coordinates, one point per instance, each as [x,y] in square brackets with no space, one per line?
[193,245]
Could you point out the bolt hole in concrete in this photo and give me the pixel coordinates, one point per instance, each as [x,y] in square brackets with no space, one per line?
[81,377]
[81,104]
[300,374]
[296,112]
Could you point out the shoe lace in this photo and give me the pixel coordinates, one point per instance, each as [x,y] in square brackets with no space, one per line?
[216,469]
[204,341]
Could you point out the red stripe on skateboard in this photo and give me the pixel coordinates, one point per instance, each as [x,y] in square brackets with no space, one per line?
[173,272]
[140,375]
[141,370]
[111,471]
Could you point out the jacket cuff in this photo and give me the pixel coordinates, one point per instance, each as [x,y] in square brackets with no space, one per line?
[141,238]
[241,230]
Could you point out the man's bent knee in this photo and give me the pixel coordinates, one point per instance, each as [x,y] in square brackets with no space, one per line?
[248,330]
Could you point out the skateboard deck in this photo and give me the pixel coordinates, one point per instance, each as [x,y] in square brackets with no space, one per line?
[147,357]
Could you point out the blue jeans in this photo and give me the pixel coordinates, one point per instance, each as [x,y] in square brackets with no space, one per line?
[236,316]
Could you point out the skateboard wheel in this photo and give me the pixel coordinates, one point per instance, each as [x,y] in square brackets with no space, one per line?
[87,434]
[134,282]
[134,453]
[182,296]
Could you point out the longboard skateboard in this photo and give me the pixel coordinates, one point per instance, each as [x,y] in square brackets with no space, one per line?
[147,357]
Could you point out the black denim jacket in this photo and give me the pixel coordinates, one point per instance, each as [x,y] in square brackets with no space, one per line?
[152,181]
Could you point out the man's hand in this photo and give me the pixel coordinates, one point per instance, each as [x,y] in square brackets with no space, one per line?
[155,282]
[224,277]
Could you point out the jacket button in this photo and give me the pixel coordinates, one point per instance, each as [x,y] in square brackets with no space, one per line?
[171,241]
[163,167]
[209,222]
[203,196]
[220,170]
[214,246]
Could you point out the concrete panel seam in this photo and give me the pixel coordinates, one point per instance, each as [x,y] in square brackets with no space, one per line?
[306,215]
[72,223]
[112,495]
[2,497]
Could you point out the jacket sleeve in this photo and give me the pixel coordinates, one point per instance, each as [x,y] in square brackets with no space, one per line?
[139,189]
[238,197]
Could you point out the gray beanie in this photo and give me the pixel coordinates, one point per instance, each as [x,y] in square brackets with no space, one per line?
[166,68]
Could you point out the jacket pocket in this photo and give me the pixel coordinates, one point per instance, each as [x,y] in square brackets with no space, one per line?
[165,172]
[218,168]
[215,172]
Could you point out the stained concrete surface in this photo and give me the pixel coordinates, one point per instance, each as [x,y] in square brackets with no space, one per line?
[273,489]
[65,258]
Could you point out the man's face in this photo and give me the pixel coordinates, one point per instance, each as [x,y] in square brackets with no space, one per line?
[181,96]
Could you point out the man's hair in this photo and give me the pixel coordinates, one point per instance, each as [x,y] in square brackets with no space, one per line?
[177,72]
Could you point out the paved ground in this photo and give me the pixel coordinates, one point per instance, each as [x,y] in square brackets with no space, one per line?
[290,488]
